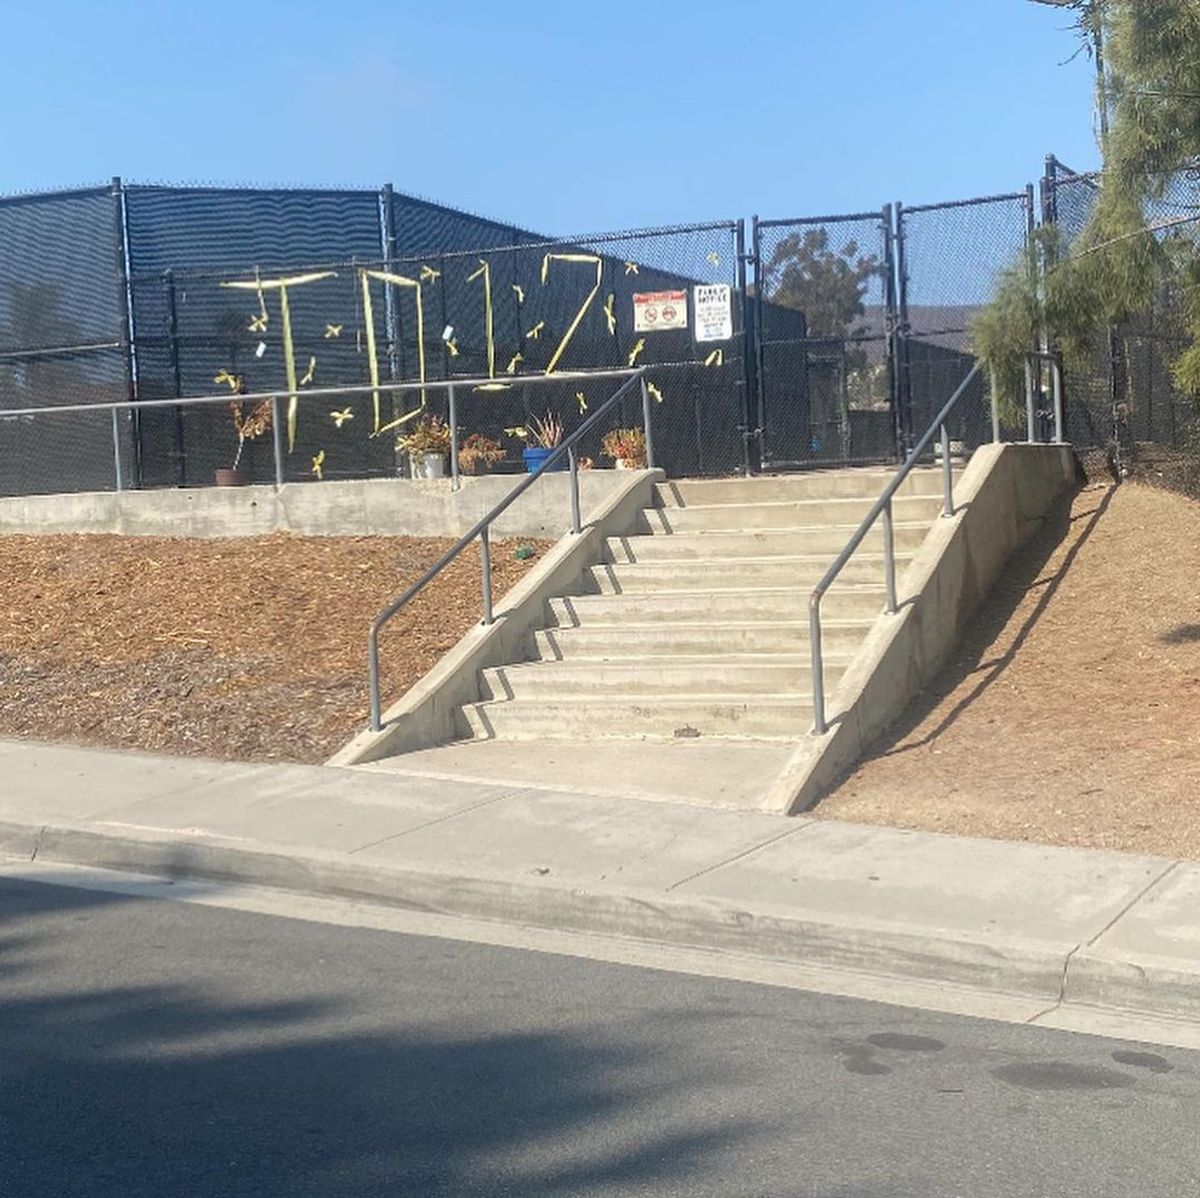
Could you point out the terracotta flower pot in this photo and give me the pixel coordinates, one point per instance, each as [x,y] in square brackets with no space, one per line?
[226,476]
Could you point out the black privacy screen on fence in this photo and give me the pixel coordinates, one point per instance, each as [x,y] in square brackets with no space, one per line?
[825,341]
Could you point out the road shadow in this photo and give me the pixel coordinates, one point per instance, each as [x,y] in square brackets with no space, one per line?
[1024,574]
[113,1087]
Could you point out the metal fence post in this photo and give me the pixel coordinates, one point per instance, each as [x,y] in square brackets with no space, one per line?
[176,374]
[1056,383]
[747,361]
[277,441]
[995,409]
[125,316]
[485,561]
[904,414]
[760,393]
[116,440]
[1030,417]
[817,663]
[576,514]
[647,424]
[947,475]
[452,403]
[889,559]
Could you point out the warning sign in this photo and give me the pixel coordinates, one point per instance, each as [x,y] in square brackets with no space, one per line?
[655,310]
[714,312]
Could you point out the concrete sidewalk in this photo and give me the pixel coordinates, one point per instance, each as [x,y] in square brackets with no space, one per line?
[1048,929]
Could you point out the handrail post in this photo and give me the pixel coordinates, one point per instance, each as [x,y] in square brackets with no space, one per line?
[485,560]
[277,441]
[1030,418]
[889,559]
[1056,383]
[373,678]
[947,475]
[995,410]
[116,440]
[817,662]
[647,422]
[453,416]
[576,515]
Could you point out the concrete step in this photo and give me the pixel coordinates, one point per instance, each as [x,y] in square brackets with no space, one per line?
[828,539]
[617,641]
[730,676]
[817,484]
[843,601]
[786,717]
[747,573]
[801,513]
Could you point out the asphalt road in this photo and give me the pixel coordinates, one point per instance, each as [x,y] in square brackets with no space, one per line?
[161,1048]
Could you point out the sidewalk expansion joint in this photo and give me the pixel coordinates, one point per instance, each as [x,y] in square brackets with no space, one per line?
[1066,969]
[708,869]
[440,819]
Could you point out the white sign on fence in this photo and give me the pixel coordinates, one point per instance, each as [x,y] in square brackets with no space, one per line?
[714,312]
[656,310]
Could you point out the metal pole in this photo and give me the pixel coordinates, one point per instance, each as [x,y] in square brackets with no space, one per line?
[904,365]
[576,516]
[817,662]
[485,558]
[647,423]
[373,677]
[453,403]
[116,439]
[760,395]
[947,474]
[1030,420]
[995,410]
[125,315]
[1056,384]
[747,364]
[277,441]
[176,375]
[889,559]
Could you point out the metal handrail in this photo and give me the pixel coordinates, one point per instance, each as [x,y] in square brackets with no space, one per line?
[882,507]
[450,386]
[481,529]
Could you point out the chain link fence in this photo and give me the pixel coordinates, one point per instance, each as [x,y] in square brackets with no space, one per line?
[823,317]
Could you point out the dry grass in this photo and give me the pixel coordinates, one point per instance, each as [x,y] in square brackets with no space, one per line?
[247,649]
[1071,714]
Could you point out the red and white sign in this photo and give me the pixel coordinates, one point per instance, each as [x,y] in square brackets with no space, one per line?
[657,310]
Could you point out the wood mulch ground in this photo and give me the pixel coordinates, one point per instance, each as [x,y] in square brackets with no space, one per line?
[1071,714]
[251,649]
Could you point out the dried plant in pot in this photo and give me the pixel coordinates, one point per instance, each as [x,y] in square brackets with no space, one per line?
[478,454]
[427,445]
[542,436]
[249,427]
[626,447]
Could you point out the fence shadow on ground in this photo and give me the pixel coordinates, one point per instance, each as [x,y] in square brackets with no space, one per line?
[1025,573]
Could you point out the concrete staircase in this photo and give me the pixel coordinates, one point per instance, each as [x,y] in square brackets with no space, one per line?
[697,625]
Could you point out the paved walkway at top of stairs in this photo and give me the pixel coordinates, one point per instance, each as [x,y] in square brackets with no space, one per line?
[1043,928]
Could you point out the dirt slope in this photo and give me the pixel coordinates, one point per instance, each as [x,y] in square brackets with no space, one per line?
[1071,714]
[252,648]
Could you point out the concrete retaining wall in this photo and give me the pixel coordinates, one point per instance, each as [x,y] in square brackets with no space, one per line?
[374,507]
[428,714]
[1005,494]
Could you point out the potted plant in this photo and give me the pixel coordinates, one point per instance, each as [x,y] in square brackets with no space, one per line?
[542,436]
[626,447]
[249,427]
[478,454]
[427,446]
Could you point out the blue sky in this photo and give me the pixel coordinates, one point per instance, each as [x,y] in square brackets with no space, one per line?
[559,116]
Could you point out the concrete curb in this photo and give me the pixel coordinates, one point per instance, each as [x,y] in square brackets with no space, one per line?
[1015,968]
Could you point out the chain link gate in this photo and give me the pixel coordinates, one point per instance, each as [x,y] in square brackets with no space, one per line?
[824,321]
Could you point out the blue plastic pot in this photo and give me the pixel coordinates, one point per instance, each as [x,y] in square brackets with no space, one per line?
[535,455]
